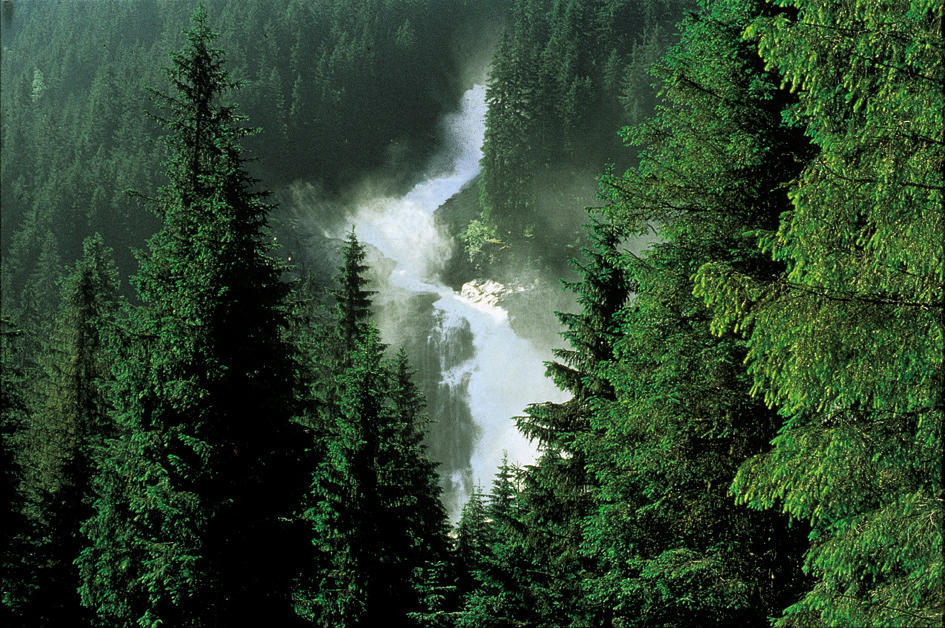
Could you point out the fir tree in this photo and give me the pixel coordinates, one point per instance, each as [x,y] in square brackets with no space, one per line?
[68,427]
[378,527]
[847,341]
[193,518]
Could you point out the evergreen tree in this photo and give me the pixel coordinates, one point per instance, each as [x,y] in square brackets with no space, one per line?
[32,302]
[413,489]
[554,103]
[68,426]
[408,473]
[472,543]
[556,492]
[352,298]
[330,74]
[503,595]
[847,340]
[674,548]
[377,524]
[193,523]
[13,550]
[355,583]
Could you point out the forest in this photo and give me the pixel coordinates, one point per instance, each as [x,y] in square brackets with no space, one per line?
[727,213]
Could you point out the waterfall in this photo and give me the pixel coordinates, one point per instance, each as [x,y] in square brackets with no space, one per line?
[477,373]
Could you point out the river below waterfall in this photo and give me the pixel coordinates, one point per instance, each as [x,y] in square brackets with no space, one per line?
[475,371]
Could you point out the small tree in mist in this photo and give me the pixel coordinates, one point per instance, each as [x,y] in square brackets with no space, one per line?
[378,528]
[502,591]
[472,543]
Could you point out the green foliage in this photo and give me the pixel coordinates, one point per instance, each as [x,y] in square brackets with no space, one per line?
[503,595]
[472,542]
[342,87]
[847,341]
[352,299]
[68,424]
[481,242]
[555,495]
[191,520]
[767,367]
[14,556]
[555,90]
[354,580]
[377,525]
[664,446]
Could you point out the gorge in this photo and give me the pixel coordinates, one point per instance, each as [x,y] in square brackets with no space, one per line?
[477,373]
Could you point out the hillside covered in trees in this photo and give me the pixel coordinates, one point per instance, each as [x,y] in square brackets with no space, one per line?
[202,426]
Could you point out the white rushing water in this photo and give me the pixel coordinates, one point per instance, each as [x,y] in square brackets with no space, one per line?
[505,372]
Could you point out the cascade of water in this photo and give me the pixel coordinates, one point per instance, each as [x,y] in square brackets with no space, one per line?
[485,374]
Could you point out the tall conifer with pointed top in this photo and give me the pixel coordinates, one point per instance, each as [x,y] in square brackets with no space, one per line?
[69,424]
[193,523]
[556,490]
[410,476]
[378,527]
[352,298]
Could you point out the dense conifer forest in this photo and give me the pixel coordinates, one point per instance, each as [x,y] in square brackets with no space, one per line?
[201,424]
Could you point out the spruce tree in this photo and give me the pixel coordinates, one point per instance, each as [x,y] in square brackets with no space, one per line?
[847,341]
[554,100]
[556,491]
[675,549]
[68,426]
[353,580]
[352,298]
[408,474]
[378,527]
[193,521]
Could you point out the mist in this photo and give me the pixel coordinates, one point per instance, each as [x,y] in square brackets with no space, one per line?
[477,373]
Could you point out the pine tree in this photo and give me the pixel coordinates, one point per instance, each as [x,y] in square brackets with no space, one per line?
[193,517]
